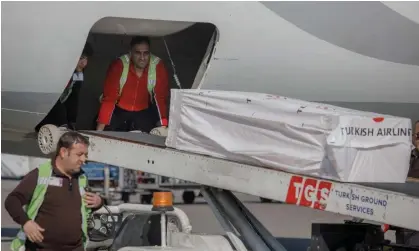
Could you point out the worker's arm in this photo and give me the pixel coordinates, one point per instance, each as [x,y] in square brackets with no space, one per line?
[110,94]
[20,197]
[161,93]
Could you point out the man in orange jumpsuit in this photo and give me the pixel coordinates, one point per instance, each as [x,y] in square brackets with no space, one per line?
[136,91]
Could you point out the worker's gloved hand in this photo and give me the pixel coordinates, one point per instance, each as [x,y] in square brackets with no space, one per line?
[160,131]
[100,127]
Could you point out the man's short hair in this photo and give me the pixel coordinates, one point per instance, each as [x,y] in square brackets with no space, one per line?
[140,40]
[68,139]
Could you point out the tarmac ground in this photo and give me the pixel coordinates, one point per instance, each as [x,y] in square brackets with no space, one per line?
[281,220]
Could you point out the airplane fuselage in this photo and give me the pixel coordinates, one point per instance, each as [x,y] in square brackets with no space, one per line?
[361,55]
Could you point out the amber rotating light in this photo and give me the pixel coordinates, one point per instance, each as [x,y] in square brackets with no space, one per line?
[163,202]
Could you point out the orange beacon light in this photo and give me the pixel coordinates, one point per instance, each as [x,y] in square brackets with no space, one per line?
[163,202]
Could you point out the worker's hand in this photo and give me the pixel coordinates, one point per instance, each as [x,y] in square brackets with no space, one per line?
[161,131]
[33,231]
[92,200]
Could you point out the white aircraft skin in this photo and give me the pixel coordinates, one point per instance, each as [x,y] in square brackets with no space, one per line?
[360,55]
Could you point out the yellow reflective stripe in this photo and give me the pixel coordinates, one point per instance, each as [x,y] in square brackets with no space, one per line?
[124,75]
[44,174]
[85,211]
[152,74]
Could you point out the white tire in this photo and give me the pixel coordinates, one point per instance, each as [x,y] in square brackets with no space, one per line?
[48,137]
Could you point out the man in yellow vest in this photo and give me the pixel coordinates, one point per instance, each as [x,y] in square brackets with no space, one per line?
[57,205]
[136,91]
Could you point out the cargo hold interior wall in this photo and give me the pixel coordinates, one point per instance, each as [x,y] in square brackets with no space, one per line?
[189,44]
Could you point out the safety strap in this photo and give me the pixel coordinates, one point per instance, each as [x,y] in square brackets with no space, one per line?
[177,81]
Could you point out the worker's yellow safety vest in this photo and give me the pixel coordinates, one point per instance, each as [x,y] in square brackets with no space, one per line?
[44,175]
[151,78]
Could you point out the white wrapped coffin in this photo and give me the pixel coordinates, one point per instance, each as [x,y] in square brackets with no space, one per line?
[291,135]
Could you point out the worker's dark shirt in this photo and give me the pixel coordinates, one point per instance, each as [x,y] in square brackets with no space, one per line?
[414,164]
[134,96]
[65,113]
[59,214]
[72,103]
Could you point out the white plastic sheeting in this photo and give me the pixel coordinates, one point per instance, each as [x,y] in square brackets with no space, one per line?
[17,166]
[291,135]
